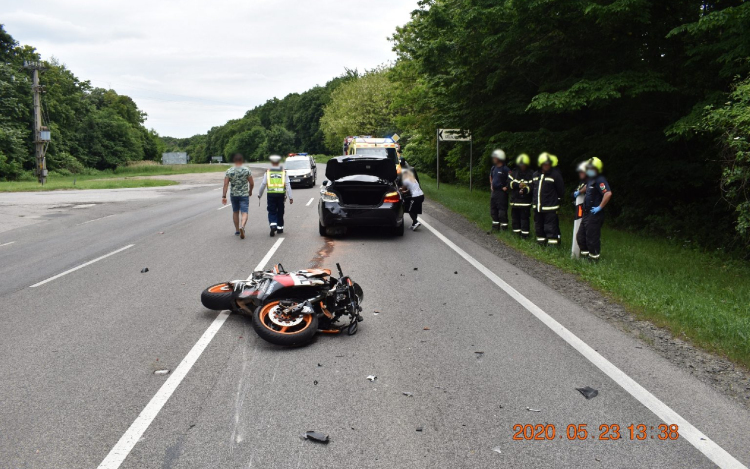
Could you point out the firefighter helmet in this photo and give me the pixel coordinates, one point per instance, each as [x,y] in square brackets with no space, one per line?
[596,163]
[523,158]
[498,154]
[547,158]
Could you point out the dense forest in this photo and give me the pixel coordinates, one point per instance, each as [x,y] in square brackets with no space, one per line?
[91,127]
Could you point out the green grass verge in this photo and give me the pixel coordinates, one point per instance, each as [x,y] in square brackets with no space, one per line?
[93,179]
[700,296]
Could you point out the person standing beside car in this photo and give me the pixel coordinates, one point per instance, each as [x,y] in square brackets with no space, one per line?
[413,205]
[277,183]
[241,179]
[499,186]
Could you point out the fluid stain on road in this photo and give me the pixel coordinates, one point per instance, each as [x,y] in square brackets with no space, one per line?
[317,261]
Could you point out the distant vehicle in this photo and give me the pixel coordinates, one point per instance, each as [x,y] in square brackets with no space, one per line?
[360,191]
[301,170]
[373,146]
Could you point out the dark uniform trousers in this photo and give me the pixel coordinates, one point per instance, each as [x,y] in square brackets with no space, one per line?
[499,208]
[547,227]
[590,234]
[521,219]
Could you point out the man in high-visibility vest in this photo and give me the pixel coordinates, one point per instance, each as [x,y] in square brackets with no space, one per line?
[276,182]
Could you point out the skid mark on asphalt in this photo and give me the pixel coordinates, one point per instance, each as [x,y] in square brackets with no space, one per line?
[238,435]
[695,437]
[322,254]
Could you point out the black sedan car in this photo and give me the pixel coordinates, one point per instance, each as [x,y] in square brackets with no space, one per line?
[360,191]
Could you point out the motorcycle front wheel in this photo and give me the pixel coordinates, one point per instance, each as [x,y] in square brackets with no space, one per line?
[275,327]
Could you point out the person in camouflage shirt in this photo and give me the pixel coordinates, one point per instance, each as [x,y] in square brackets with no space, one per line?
[241,180]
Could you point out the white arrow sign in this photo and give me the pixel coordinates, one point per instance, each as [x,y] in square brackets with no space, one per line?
[454,135]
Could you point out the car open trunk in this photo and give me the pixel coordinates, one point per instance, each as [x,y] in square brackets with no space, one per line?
[362,190]
[343,166]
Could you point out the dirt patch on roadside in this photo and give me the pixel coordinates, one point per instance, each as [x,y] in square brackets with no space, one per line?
[729,379]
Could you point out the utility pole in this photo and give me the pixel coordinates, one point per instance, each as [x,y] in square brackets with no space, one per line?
[41,133]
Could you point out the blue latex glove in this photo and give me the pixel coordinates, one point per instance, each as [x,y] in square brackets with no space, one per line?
[576,194]
[596,210]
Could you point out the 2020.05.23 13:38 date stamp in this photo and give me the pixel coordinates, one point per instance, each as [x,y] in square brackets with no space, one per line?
[633,432]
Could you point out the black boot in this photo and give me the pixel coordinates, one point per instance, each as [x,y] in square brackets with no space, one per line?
[273,230]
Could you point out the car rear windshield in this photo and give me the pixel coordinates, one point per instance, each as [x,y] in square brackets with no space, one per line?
[297,164]
[379,151]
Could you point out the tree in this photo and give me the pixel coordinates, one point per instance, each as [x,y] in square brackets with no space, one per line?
[250,143]
[279,141]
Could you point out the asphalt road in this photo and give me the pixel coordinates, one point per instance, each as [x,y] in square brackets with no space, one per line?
[78,353]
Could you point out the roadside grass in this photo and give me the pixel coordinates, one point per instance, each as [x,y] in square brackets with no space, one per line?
[702,296]
[323,159]
[110,179]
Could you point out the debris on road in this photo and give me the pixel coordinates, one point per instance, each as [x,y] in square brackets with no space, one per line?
[588,392]
[408,394]
[479,355]
[372,378]
[376,313]
[419,429]
[315,436]
[532,410]
[144,270]
[425,328]
[497,450]
[455,272]
[416,268]
[161,232]
[315,383]
[319,365]
[161,372]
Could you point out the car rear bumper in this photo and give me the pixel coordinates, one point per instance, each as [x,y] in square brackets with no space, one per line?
[334,214]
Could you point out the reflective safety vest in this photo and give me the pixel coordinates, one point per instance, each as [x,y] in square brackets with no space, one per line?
[276,181]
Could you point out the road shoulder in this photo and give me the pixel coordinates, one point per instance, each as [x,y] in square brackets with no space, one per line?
[721,374]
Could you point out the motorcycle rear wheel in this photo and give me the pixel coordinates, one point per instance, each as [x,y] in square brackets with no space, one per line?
[299,331]
[218,297]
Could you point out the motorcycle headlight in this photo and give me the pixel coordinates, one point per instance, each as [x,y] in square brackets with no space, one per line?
[328,196]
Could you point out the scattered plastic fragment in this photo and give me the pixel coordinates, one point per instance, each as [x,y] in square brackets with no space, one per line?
[376,313]
[161,372]
[144,270]
[161,232]
[588,392]
[479,354]
[419,429]
[315,436]
[408,394]
[497,450]
[315,383]
[425,328]
[532,410]
[319,365]
[416,268]
[372,377]
[456,272]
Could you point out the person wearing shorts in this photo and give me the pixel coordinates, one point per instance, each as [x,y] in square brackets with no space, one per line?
[241,180]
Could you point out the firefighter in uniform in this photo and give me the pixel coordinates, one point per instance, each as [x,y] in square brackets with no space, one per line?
[598,195]
[582,178]
[547,189]
[277,183]
[499,185]
[520,195]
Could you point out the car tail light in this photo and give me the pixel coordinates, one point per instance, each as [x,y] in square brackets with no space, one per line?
[328,196]
[392,197]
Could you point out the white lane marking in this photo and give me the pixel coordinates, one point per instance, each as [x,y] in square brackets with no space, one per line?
[700,441]
[84,206]
[7,243]
[267,257]
[136,430]
[81,266]
[95,219]
[309,201]
[224,206]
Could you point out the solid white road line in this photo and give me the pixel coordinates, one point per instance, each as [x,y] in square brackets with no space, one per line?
[224,206]
[267,257]
[309,201]
[81,266]
[7,243]
[136,430]
[700,441]
[95,219]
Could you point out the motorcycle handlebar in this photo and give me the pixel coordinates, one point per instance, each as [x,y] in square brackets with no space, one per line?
[338,266]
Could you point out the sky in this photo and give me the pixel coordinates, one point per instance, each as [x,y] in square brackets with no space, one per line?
[191,65]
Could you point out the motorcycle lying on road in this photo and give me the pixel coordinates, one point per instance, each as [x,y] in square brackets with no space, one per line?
[289,308]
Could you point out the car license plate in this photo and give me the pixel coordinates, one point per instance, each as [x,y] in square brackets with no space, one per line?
[296,180]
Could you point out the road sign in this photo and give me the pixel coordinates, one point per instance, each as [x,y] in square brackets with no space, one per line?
[395,138]
[454,135]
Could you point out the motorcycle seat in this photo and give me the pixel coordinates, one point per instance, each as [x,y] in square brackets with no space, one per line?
[315,272]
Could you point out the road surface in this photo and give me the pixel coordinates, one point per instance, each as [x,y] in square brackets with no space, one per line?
[479,344]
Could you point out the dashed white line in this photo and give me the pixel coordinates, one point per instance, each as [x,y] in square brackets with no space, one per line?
[5,244]
[95,219]
[696,438]
[309,201]
[81,266]
[136,430]
[224,206]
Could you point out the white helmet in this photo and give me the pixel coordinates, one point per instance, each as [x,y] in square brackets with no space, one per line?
[274,158]
[499,154]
